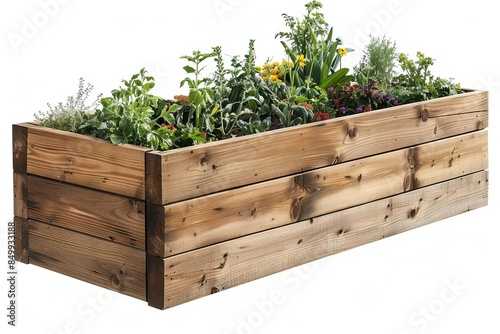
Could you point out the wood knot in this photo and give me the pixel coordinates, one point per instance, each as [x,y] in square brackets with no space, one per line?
[116,282]
[424,115]
[352,132]
[203,160]
[224,260]
[203,280]
[296,209]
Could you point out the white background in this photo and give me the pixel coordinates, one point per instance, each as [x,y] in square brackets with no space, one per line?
[377,288]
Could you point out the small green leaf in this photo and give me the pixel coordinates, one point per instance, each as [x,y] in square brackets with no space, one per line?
[148,86]
[195,97]
[105,102]
[215,109]
[335,78]
[117,139]
[189,69]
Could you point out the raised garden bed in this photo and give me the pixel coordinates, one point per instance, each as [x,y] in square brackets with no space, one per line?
[170,227]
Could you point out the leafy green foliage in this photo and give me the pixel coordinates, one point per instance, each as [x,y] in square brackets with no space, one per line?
[291,114]
[70,115]
[241,98]
[131,115]
[200,94]
[127,115]
[352,98]
[416,83]
[379,61]
[246,96]
[254,125]
[312,38]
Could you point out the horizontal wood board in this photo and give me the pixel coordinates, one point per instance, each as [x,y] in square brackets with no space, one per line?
[100,214]
[195,171]
[86,161]
[103,263]
[199,222]
[188,276]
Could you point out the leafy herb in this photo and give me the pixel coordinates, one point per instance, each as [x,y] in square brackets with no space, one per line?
[379,61]
[70,115]
[416,83]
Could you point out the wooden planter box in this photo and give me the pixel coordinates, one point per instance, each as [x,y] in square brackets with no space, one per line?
[170,227]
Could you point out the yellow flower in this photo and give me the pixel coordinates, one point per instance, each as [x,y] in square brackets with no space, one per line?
[301,60]
[342,52]
[275,71]
[273,78]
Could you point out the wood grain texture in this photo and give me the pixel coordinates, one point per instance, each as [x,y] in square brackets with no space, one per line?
[209,168]
[103,263]
[154,177]
[107,216]
[199,222]
[20,147]
[215,268]
[20,195]
[87,161]
[21,236]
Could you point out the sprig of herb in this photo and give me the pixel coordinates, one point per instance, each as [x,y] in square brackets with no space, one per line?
[71,114]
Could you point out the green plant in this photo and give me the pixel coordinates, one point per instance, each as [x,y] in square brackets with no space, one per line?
[291,113]
[131,115]
[352,98]
[254,124]
[72,114]
[311,38]
[242,98]
[416,83]
[303,34]
[200,94]
[126,116]
[379,61]
[245,98]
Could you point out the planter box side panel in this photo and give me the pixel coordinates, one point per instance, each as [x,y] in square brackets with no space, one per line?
[209,168]
[107,216]
[199,222]
[201,272]
[103,263]
[86,161]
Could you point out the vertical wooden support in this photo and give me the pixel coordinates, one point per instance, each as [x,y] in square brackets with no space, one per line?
[20,147]
[154,183]
[155,269]
[22,240]
[155,282]
[19,162]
